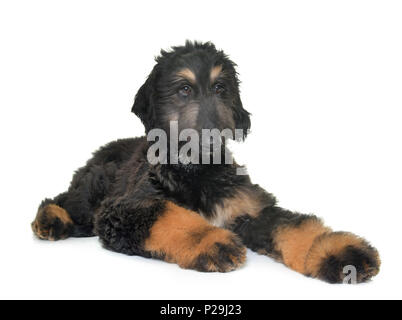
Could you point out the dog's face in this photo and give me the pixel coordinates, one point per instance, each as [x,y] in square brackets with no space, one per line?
[195,85]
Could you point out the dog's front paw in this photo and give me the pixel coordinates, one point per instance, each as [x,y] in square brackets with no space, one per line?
[222,251]
[206,249]
[339,257]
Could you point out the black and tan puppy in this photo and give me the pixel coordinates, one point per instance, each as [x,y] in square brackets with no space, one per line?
[200,216]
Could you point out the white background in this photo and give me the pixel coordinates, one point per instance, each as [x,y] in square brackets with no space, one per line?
[322,79]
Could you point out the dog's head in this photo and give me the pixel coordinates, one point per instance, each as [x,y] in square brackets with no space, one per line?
[195,85]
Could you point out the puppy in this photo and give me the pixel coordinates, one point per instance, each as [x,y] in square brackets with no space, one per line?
[200,214]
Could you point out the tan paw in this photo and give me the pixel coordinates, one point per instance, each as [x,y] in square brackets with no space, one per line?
[335,254]
[52,223]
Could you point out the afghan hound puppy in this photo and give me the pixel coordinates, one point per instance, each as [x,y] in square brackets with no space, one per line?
[200,214]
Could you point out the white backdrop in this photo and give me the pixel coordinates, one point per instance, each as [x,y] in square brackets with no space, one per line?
[321,78]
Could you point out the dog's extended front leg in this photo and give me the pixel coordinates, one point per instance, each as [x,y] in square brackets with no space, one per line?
[304,244]
[164,230]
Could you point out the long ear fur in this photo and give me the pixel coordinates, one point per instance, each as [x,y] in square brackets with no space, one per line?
[143,102]
[241,116]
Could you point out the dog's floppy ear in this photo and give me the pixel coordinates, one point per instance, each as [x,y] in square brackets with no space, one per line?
[241,116]
[143,102]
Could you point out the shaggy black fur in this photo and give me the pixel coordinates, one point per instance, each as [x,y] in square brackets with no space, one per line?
[119,196]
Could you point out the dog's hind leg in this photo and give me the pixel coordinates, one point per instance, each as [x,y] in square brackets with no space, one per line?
[70,214]
[54,221]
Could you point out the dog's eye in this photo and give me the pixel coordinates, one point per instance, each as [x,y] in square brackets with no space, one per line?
[219,88]
[185,90]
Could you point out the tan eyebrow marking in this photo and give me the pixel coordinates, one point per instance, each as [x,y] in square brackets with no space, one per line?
[215,71]
[188,74]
